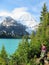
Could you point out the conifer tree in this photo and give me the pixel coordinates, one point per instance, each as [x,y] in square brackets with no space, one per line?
[43,12]
[4,56]
[3,53]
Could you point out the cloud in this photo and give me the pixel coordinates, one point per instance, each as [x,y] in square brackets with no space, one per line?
[4,13]
[16,13]
[22,15]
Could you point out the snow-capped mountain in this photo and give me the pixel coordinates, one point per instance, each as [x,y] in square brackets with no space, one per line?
[10,27]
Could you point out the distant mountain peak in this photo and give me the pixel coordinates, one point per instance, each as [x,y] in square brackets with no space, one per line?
[11,27]
[8,21]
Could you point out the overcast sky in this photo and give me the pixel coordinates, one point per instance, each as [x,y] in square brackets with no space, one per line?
[17,8]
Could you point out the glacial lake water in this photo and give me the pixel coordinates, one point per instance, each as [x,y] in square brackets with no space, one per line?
[10,45]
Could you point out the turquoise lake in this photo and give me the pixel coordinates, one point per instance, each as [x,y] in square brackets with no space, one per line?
[10,45]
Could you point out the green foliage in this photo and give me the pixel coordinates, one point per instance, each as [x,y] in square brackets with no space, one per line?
[3,56]
[3,53]
[2,61]
[22,51]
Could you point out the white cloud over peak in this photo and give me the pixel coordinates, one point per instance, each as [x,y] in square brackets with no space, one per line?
[18,12]
[21,14]
[15,13]
[5,13]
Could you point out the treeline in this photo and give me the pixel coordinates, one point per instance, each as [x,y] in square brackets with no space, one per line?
[27,52]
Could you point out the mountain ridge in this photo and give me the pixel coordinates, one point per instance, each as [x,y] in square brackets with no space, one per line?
[10,27]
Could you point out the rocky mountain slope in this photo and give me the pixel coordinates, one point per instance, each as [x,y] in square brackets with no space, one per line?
[11,28]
